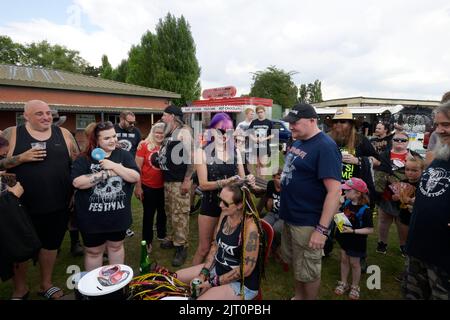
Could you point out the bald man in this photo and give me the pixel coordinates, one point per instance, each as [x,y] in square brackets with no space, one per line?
[45,176]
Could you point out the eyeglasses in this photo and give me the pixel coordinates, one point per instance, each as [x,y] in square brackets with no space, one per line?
[131,123]
[400,140]
[226,204]
[341,121]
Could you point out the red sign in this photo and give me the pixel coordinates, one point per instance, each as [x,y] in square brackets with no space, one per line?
[215,93]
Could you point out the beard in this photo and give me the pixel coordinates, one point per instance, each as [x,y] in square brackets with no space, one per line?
[442,151]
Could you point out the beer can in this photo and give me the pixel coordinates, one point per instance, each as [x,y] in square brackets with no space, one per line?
[195,290]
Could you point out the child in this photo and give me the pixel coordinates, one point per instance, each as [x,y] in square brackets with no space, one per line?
[353,240]
[406,196]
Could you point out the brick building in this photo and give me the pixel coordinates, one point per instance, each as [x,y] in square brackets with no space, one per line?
[82,99]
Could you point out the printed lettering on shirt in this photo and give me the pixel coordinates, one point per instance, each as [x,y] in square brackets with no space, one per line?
[229,250]
[107,195]
[435,182]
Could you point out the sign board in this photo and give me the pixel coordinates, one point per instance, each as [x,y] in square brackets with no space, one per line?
[216,93]
[199,109]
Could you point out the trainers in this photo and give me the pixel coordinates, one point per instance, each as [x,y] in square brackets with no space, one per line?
[166,244]
[341,288]
[77,249]
[382,247]
[180,256]
[129,233]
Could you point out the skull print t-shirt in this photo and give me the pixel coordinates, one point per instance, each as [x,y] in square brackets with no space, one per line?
[106,207]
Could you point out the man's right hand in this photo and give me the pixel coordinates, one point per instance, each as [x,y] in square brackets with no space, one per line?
[32,155]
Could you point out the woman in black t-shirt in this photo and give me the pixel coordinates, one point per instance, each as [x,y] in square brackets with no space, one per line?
[103,198]
[233,267]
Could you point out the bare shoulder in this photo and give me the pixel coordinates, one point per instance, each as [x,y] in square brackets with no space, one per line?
[7,133]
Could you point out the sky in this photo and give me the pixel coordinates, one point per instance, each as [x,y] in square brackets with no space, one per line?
[384,48]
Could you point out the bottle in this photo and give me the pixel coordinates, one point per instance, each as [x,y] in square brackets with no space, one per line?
[145,261]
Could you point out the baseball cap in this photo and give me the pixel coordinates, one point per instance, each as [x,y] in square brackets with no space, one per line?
[174,110]
[355,184]
[299,111]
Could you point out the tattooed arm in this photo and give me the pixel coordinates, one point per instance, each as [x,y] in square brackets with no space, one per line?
[87,181]
[71,143]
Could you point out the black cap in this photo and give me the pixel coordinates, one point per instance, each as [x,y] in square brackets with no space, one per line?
[174,110]
[299,111]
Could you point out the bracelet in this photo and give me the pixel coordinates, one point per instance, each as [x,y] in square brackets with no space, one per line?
[319,228]
[205,272]
[322,227]
[215,281]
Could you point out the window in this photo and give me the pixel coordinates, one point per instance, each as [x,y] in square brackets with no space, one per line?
[114,118]
[19,118]
[82,120]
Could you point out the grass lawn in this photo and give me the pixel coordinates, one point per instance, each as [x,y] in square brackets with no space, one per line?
[278,284]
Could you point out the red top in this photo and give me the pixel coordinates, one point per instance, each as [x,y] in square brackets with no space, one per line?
[399,156]
[150,175]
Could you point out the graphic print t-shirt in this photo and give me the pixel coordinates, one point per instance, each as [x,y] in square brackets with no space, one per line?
[106,207]
[128,140]
[272,193]
[261,129]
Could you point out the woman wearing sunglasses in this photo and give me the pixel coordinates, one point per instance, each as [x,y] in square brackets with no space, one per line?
[103,198]
[217,165]
[391,171]
[233,267]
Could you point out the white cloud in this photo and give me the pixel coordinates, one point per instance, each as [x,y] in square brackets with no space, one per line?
[382,48]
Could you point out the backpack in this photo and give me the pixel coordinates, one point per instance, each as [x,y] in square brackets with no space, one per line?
[360,212]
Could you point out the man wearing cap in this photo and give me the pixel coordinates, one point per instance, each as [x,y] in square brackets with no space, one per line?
[175,161]
[311,187]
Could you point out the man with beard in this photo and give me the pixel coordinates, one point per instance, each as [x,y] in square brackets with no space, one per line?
[357,154]
[128,135]
[428,266]
[175,161]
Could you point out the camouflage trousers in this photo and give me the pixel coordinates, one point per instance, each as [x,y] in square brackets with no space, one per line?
[423,281]
[177,208]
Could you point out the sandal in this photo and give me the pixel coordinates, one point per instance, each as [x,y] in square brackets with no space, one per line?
[51,293]
[341,288]
[354,293]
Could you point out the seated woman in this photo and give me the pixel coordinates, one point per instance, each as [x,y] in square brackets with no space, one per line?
[234,263]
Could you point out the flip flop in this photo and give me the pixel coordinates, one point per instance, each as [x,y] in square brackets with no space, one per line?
[49,294]
[24,297]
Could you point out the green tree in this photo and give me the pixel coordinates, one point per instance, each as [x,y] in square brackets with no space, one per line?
[106,70]
[167,60]
[311,93]
[120,73]
[275,84]
[43,54]
[10,52]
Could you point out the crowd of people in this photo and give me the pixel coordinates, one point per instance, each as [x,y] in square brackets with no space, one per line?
[325,173]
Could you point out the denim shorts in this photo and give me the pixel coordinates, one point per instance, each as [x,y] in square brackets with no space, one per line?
[236,286]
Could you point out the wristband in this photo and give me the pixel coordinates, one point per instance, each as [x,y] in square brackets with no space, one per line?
[205,272]
[215,281]
[319,228]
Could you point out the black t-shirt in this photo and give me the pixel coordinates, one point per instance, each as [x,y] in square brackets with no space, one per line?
[106,207]
[172,159]
[261,129]
[382,144]
[47,183]
[272,193]
[429,233]
[128,140]
[350,241]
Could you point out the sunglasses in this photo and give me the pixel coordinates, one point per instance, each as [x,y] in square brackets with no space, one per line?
[131,123]
[222,131]
[226,204]
[341,121]
[400,140]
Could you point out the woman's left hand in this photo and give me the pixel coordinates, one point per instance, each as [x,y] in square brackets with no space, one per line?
[108,164]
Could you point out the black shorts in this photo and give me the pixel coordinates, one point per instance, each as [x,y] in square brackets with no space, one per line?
[91,240]
[51,228]
[405,217]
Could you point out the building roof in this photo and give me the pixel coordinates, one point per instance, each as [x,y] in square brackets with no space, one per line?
[61,108]
[54,79]
[361,101]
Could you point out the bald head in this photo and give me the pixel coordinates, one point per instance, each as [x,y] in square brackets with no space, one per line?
[38,115]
